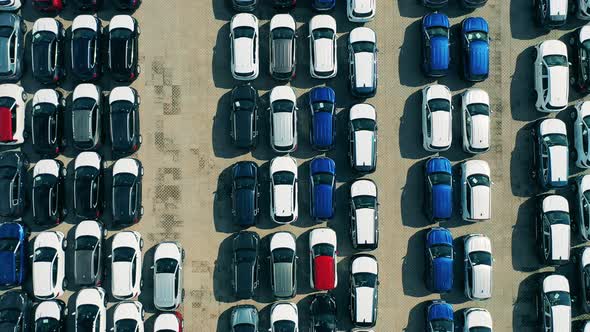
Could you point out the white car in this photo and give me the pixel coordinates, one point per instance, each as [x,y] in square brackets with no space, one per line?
[551,153]
[12,114]
[362,60]
[125,269]
[283,119]
[477,319]
[437,118]
[475,120]
[283,265]
[284,316]
[553,230]
[244,46]
[323,59]
[582,134]
[551,76]
[360,10]
[49,260]
[364,282]
[476,191]
[90,312]
[364,215]
[49,315]
[555,304]
[284,208]
[323,249]
[169,322]
[583,9]
[128,316]
[10,5]
[478,267]
[583,202]
[362,132]
[168,276]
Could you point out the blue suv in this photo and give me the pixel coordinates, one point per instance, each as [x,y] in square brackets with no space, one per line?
[438,181]
[13,254]
[475,42]
[439,317]
[322,173]
[439,260]
[321,106]
[435,44]
[323,5]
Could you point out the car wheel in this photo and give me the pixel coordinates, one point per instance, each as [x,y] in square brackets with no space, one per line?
[64,284]
[533,174]
[62,102]
[574,187]
[574,155]
[573,114]
[64,244]
[572,80]
[23,27]
[182,296]
[141,245]
[64,212]
[63,33]
[141,284]
[138,30]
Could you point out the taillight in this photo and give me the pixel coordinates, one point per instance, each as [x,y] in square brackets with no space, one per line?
[97,214]
[135,220]
[179,317]
[95,74]
[132,76]
[57,150]
[57,221]
[134,147]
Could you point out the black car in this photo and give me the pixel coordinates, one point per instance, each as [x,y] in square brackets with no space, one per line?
[580,57]
[15,307]
[126,193]
[245,193]
[48,192]
[244,5]
[126,4]
[284,4]
[13,172]
[551,14]
[85,47]
[12,46]
[245,264]
[47,122]
[88,169]
[323,313]
[123,38]
[88,5]
[124,120]
[244,116]
[50,316]
[87,117]
[47,50]
[88,256]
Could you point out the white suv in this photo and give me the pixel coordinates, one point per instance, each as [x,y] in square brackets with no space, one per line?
[49,259]
[551,76]
[478,267]
[125,268]
[283,191]
[323,61]
[128,316]
[362,137]
[244,46]
[364,282]
[476,191]
[582,134]
[555,304]
[477,319]
[437,118]
[364,215]
[360,10]
[362,59]
[553,228]
[283,119]
[475,120]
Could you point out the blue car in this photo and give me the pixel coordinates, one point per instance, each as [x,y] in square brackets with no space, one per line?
[438,180]
[322,173]
[435,44]
[475,42]
[439,260]
[245,193]
[439,317]
[321,105]
[323,5]
[13,254]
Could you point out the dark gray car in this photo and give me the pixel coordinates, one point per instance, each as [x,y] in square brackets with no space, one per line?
[88,257]
[12,47]
[244,318]
[86,116]
[244,5]
[282,46]
[283,267]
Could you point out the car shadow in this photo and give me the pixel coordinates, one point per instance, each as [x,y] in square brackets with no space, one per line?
[303,196]
[521,164]
[224,319]
[222,77]
[264,219]
[524,245]
[147,274]
[412,197]
[222,203]
[457,294]
[342,294]
[341,222]
[413,266]
[522,96]
[263,293]
[410,58]
[222,10]
[410,129]
[524,310]
[263,150]
[416,318]
[303,268]
[340,152]
[222,275]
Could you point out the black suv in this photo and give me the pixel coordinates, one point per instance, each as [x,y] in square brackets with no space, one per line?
[244,116]
[123,39]
[126,192]
[245,264]
[48,192]
[15,311]
[124,120]
[85,47]
[323,313]
[13,172]
[88,169]
[47,51]
[245,193]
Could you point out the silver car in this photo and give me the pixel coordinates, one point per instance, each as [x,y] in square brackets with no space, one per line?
[168,276]
[282,40]
[244,318]
[283,267]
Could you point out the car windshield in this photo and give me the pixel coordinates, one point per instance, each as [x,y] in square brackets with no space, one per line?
[364,202]
[123,254]
[478,109]
[557,218]
[121,33]
[555,60]
[126,325]
[83,104]
[435,105]
[282,33]
[437,31]
[86,242]
[441,251]
[244,182]
[44,254]
[124,180]
[323,33]
[245,255]
[283,177]
[586,121]
[44,180]
[243,105]
[323,178]
[480,258]
[363,124]
[283,326]
[47,324]
[363,46]
[10,316]
[478,180]
[86,316]
[441,325]
[166,265]
[587,196]
[282,106]
[322,106]
[323,249]
[476,35]
[244,32]
[282,255]
[559,298]
[364,279]
[440,178]
[244,328]
[84,33]
[555,140]
[8,244]
[7,102]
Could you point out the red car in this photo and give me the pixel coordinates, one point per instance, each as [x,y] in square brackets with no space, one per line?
[49,5]
[322,247]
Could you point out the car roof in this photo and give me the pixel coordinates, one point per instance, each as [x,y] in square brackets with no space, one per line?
[324,272]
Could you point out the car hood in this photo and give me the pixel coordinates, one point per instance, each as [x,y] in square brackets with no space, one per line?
[560,242]
[558,156]
[283,279]
[363,139]
[243,61]
[364,312]
[323,55]
[442,201]
[365,229]
[8,270]
[443,274]
[439,53]
[245,206]
[323,201]
[478,54]
[480,131]
[441,129]
[322,129]
[283,134]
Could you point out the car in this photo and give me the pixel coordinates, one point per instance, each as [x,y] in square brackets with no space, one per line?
[440,255]
[553,229]
[283,265]
[49,261]
[244,46]
[244,5]
[582,10]
[322,191]
[554,304]
[580,48]
[284,4]
[284,317]
[478,267]
[169,322]
[90,312]
[126,201]
[583,204]
[435,4]
[435,31]
[48,197]
[47,122]
[364,215]
[323,59]
[362,51]
[15,313]
[476,191]
[282,41]
[323,313]
[12,46]
[244,116]
[245,193]
[471,4]
[244,318]
[439,317]
[360,11]
[284,208]
[125,133]
[86,47]
[322,259]
[551,76]
[364,282]
[126,4]
[168,276]
[125,269]
[88,5]
[47,50]
[13,175]
[475,43]
[551,153]
[437,118]
[322,133]
[49,6]
[323,5]
[89,236]
[87,120]
[362,133]
[50,315]
[13,254]
[582,134]
[438,189]
[12,113]
[475,120]
[283,119]
[245,264]
[10,5]
[123,38]
[583,269]
[88,174]
[128,316]
[551,14]
[477,319]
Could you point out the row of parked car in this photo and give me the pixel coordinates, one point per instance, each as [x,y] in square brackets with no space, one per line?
[55,6]
[357,10]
